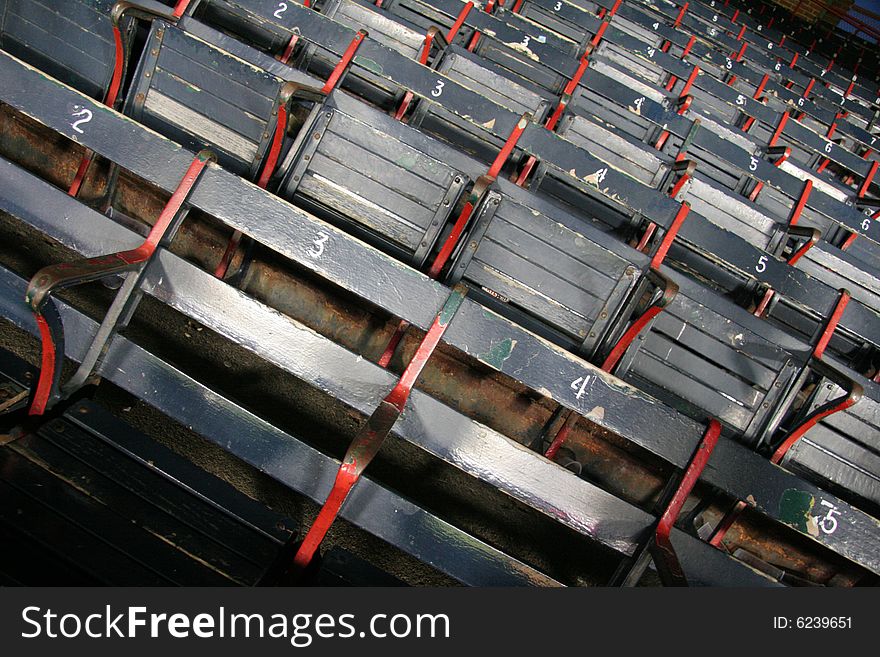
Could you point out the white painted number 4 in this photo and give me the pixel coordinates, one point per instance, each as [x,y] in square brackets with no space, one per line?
[580,384]
[318,249]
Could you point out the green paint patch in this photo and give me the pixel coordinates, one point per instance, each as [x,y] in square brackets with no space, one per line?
[370,65]
[447,312]
[795,507]
[498,353]
[408,162]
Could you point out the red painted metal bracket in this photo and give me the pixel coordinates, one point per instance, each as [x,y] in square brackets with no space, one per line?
[344,63]
[369,439]
[459,21]
[64,275]
[665,558]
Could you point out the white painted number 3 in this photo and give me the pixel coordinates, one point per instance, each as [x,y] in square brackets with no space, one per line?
[85,114]
[579,385]
[436,91]
[282,7]
[318,249]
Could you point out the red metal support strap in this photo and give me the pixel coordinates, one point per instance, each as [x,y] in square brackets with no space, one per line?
[866,183]
[831,324]
[667,295]
[572,84]
[814,418]
[462,17]
[802,202]
[665,558]
[63,275]
[369,439]
[726,523]
[668,290]
[780,126]
[680,16]
[670,235]
[690,82]
[761,86]
[180,7]
[741,34]
[344,63]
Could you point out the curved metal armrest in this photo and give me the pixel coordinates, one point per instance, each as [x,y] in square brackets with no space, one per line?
[122,9]
[291,91]
[665,292]
[812,235]
[436,34]
[853,392]
[70,274]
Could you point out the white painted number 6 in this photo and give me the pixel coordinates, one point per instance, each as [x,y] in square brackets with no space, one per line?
[83,112]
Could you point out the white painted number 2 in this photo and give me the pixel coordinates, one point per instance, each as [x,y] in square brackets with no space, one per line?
[318,249]
[282,7]
[436,91]
[580,385]
[86,115]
